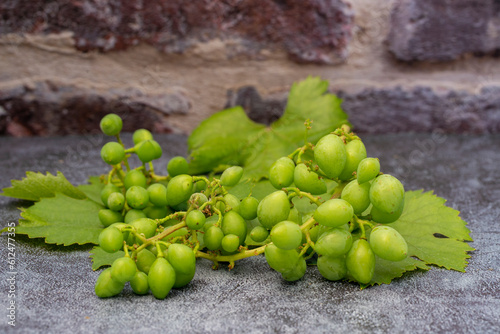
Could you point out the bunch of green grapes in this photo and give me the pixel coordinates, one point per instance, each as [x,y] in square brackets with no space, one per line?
[163,223]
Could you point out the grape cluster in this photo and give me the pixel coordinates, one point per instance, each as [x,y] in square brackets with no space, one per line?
[163,223]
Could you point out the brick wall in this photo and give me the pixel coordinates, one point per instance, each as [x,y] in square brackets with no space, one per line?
[399,65]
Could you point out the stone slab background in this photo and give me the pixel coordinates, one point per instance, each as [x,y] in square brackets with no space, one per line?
[399,65]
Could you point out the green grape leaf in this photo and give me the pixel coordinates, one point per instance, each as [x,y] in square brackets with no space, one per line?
[62,220]
[231,138]
[100,258]
[36,186]
[93,189]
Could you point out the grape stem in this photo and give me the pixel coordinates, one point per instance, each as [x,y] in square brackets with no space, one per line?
[297,192]
[231,258]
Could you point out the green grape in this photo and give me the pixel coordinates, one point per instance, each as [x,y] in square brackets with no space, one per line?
[388,244]
[183,279]
[213,237]
[111,124]
[144,226]
[157,212]
[157,149]
[141,135]
[248,208]
[358,195]
[360,261]
[233,223]
[386,218]
[231,176]
[121,226]
[273,209]
[295,216]
[157,193]
[144,260]
[281,260]
[108,190]
[259,233]
[177,166]
[134,214]
[123,269]
[296,273]
[333,268]
[334,212]
[330,155]
[106,286]
[161,278]
[179,189]
[139,283]
[200,186]
[387,193]
[195,220]
[286,235]
[108,217]
[134,178]
[197,199]
[112,153]
[233,202]
[334,242]
[182,258]
[182,206]
[146,151]
[220,206]
[281,173]
[116,201]
[211,221]
[308,181]
[368,169]
[356,152]
[230,243]
[111,239]
[137,197]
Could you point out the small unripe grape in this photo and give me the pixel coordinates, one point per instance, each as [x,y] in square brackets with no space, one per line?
[111,239]
[248,208]
[259,233]
[157,149]
[231,176]
[108,190]
[134,214]
[111,124]
[281,260]
[145,259]
[158,194]
[281,172]
[141,135]
[386,218]
[286,235]
[230,243]
[179,189]
[195,220]
[356,151]
[213,237]
[368,169]
[273,209]
[330,155]
[387,193]
[144,226]
[139,283]
[233,223]
[161,278]
[146,151]
[134,178]
[137,197]
[360,261]
[296,273]
[177,166]
[108,217]
[308,181]
[334,242]
[333,268]
[106,286]
[157,212]
[388,244]
[182,258]
[112,153]
[198,199]
[233,202]
[334,212]
[123,269]
[116,201]
[358,195]
[295,216]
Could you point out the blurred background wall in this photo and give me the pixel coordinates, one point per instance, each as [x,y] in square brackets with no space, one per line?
[399,65]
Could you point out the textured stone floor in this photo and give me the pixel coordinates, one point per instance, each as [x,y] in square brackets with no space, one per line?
[54,285]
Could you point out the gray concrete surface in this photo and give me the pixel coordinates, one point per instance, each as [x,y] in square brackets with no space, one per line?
[54,285]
